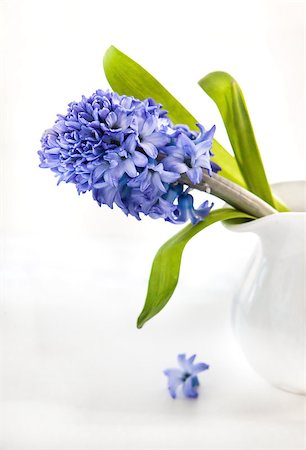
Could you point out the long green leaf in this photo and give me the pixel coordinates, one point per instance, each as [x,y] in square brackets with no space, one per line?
[125,76]
[227,95]
[166,265]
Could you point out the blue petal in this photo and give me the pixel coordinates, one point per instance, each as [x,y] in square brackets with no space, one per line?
[204,209]
[157,182]
[174,192]
[174,380]
[181,358]
[148,126]
[146,181]
[200,367]
[187,144]
[150,149]
[98,172]
[195,175]
[174,373]
[123,120]
[169,177]
[190,363]
[130,143]
[203,148]
[158,139]
[111,119]
[130,168]
[173,385]
[210,133]
[189,388]
[174,165]
[195,381]
[140,159]
[215,167]
[174,151]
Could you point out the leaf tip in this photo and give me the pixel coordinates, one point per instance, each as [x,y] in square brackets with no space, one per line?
[109,53]
[140,321]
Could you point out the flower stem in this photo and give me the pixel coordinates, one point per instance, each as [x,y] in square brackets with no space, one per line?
[232,193]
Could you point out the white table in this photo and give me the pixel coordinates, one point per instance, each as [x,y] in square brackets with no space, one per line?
[76,374]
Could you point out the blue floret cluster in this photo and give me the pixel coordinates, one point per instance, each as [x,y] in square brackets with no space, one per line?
[127,152]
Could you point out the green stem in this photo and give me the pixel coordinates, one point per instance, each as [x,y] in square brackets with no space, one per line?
[232,193]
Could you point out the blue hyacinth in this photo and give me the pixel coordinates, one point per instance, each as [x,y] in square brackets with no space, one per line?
[127,152]
[186,376]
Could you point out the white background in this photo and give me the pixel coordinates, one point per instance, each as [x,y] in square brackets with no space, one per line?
[75,373]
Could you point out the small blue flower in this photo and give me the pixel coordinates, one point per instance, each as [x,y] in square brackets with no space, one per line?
[190,154]
[186,376]
[186,210]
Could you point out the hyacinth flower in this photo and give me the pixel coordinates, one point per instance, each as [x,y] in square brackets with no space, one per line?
[186,376]
[127,152]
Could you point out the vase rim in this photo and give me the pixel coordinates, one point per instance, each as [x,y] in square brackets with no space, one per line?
[295,185]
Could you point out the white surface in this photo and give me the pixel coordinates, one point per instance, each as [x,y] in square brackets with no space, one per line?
[75,373]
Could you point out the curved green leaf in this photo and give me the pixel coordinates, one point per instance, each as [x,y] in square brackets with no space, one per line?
[227,95]
[125,76]
[166,265]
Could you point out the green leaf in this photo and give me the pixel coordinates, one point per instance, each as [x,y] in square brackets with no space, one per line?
[166,265]
[227,95]
[125,76]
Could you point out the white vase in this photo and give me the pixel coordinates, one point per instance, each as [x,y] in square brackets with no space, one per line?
[269,310]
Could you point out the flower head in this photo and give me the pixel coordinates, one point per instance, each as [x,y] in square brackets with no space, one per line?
[185,375]
[127,152]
